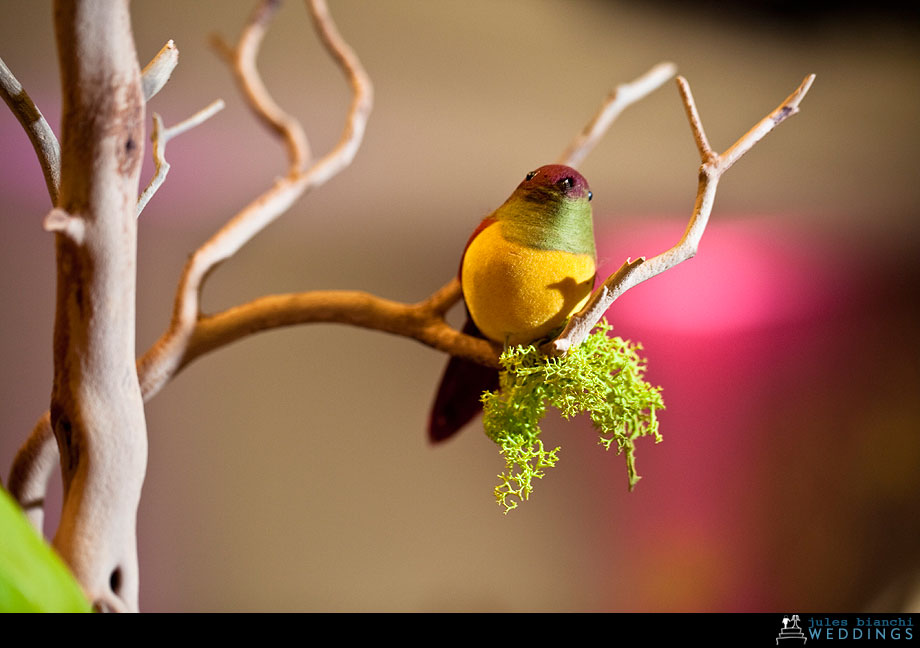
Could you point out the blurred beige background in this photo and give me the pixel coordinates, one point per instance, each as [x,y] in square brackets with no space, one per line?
[291,470]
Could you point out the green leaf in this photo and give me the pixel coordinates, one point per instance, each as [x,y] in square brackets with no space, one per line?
[32,577]
[603,377]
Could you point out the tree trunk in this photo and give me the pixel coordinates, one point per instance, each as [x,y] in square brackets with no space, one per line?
[96,408]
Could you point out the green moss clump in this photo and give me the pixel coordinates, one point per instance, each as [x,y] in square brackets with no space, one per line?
[603,377]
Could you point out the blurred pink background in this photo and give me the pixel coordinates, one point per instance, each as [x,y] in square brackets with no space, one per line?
[291,471]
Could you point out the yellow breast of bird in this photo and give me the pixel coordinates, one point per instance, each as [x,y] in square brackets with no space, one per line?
[517,294]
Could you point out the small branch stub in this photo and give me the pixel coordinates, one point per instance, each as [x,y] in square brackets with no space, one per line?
[61,222]
[156,73]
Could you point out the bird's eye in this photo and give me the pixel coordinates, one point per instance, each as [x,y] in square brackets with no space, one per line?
[566,183]
[530,176]
[590,196]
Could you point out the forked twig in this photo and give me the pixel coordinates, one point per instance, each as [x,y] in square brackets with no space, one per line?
[632,273]
[167,355]
[242,61]
[160,137]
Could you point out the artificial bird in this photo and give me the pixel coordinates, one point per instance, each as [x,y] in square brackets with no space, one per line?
[525,270]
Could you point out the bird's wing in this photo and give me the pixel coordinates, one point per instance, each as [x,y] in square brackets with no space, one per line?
[486,222]
[458,397]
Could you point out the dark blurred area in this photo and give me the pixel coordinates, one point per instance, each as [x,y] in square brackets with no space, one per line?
[794,15]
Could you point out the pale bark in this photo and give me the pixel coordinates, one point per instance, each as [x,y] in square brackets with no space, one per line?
[97,413]
[36,127]
[156,73]
[154,76]
[160,138]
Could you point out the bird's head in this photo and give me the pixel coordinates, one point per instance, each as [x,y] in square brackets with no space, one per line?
[550,210]
[554,182]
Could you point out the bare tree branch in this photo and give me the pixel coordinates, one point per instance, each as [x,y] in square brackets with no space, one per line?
[423,321]
[632,273]
[242,60]
[620,98]
[360,309]
[156,73]
[161,362]
[31,471]
[40,134]
[160,138]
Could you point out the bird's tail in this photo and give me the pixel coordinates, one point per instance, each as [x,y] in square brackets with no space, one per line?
[458,398]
